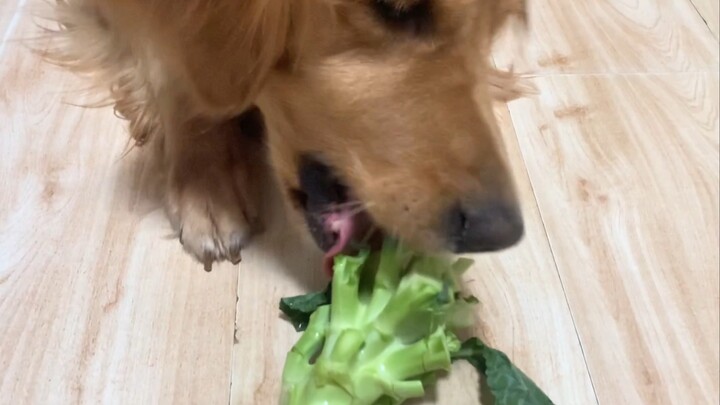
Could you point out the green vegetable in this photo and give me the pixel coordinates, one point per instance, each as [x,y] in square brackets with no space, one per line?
[298,309]
[508,385]
[384,329]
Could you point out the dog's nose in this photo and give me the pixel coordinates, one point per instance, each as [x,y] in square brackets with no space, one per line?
[484,227]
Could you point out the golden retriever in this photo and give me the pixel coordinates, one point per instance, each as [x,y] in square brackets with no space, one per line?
[374,114]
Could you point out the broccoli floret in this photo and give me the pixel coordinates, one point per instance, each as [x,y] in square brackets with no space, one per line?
[383,329]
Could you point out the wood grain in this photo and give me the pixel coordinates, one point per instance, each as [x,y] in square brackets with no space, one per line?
[590,36]
[710,12]
[625,170]
[96,305]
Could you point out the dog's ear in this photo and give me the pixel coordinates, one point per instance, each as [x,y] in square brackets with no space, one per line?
[219,51]
[227,48]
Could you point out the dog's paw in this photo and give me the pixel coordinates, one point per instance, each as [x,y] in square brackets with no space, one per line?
[212,215]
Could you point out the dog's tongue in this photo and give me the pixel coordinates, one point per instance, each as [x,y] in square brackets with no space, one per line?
[342,225]
[348,226]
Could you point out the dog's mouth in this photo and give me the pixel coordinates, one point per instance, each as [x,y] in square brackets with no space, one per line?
[345,227]
[336,219]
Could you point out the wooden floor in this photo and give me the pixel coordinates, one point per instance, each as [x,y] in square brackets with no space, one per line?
[611,299]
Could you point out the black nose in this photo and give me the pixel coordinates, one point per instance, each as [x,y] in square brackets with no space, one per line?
[484,227]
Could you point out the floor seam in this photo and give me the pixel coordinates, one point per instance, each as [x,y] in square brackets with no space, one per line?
[702,17]
[613,74]
[234,335]
[554,258]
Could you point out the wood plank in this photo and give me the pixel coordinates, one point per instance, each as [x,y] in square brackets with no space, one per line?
[523,312]
[625,170]
[96,304]
[590,36]
[710,12]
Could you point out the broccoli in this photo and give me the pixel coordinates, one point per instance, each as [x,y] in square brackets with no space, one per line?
[384,329]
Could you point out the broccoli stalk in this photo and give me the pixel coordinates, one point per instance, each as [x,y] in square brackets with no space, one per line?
[383,329]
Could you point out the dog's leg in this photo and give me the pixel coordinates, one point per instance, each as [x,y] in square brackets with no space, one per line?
[209,163]
[211,170]
[213,175]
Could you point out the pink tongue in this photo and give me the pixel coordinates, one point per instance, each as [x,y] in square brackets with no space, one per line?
[341,223]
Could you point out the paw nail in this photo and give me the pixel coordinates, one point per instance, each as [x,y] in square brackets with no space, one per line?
[237,240]
[208,261]
[235,256]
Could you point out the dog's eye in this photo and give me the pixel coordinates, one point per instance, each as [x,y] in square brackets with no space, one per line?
[414,16]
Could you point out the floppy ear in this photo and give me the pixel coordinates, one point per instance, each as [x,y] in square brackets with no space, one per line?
[220,50]
[226,48]
[507,12]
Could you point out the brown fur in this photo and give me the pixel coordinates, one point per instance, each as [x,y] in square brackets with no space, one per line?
[405,119]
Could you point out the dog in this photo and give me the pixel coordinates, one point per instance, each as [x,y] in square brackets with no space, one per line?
[374,115]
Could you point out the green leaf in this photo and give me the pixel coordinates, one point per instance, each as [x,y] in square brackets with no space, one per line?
[444,297]
[507,383]
[461,265]
[471,299]
[299,308]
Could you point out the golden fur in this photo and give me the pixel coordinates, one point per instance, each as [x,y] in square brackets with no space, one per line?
[404,117]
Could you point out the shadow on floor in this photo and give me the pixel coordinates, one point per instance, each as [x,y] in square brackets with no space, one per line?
[282,246]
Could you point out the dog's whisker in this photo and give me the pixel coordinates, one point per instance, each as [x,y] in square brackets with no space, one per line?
[349,204]
[353,207]
[370,232]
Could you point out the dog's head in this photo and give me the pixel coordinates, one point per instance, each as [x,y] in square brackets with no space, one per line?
[380,117]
